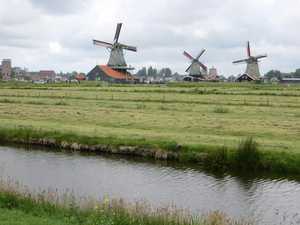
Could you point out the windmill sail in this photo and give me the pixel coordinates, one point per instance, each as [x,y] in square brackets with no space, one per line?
[194,67]
[118,30]
[116,59]
[252,69]
[200,53]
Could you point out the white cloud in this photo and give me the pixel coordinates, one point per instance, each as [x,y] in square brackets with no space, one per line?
[58,34]
[55,48]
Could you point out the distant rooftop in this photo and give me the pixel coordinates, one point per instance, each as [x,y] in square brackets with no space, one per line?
[7,60]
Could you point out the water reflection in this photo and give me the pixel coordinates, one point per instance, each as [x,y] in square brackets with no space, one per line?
[159,181]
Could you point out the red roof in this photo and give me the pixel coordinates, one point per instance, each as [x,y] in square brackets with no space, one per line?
[116,74]
[79,76]
[252,76]
[46,71]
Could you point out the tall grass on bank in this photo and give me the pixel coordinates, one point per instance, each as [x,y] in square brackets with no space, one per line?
[68,208]
[247,155]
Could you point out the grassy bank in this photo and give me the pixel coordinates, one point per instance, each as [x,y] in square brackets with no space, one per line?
[199,117]
[247,154]
[18,205]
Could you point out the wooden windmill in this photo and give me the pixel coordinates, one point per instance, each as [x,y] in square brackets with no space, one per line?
[252,64]
[116,60]
[195,65]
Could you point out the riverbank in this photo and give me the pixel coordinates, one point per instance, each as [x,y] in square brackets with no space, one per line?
[246,155]
[22,206]
[184,121]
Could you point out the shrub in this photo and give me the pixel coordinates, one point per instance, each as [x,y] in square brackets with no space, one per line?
[141,106]
[247,155]
[217,160]
[221,109]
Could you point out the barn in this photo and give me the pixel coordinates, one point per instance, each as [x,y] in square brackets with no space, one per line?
[249,77]
[290,80]
[107,74]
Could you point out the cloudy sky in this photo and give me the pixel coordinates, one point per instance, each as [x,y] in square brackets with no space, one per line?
[58,34]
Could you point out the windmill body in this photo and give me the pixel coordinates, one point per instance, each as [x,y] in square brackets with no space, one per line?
[195,65]
[116,60]
[252,70]
[195,68]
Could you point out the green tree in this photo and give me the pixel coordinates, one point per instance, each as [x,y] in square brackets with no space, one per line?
[13,73]
[166,71]
[287,75]
[154,73]
[27,78]
[142,73]
[150,71]
[297,73]
[273,73]
[231,78]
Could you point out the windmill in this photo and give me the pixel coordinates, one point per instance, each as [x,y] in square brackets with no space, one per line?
[252,63]
[195,64]
[116,60]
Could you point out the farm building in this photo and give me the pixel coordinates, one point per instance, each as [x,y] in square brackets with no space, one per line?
[78,77]
[107,74]
[250,77]
[290,80]
[47,74]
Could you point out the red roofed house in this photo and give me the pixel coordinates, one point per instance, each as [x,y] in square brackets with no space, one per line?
[107,74]
[78,77]
[47,74]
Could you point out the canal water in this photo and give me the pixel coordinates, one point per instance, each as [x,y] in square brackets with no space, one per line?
[271,198]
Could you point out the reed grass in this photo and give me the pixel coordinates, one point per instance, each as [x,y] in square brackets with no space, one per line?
[51,208]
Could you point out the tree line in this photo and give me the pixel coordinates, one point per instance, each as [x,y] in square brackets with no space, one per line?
[151,72]
[277,74]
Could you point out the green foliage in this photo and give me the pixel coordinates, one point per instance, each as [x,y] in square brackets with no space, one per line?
[217,160]
[61,103]
[220,109]
[184,157]
[163,107]
[46,207]
[247,155]
[141,106]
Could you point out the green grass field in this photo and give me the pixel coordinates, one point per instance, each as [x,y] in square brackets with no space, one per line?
[225,114]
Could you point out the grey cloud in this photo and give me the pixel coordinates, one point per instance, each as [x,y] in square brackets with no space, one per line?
[58,7]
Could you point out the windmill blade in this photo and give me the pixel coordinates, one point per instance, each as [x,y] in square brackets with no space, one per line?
[203,66]
[187,55]
[260,56]
[118,30]
[187,70]
[200,53]
[130,48]
[102,43]
[248,49]
[240,61]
